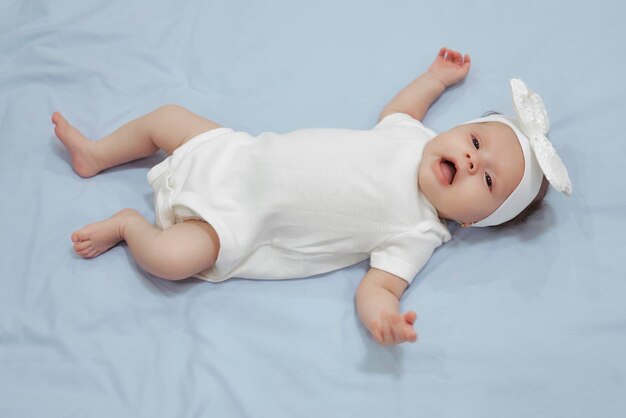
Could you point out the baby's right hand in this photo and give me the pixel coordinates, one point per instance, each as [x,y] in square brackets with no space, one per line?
[394,328]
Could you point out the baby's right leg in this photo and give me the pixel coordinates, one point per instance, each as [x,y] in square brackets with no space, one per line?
[166,128]
[175,253]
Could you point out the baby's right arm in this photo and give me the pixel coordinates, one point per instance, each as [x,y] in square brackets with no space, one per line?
[449,68]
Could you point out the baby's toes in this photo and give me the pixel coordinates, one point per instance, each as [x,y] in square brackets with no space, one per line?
[93,253]
[77,237]
[82,245]
[83,248]
[85,252]
[83,234]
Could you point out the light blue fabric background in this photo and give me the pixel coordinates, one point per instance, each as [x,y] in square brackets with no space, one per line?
[523,322]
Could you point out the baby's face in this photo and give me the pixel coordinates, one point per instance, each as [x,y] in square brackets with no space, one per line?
[470,170]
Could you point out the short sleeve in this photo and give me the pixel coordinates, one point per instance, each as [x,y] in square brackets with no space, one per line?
[405,254]
[405,121]
[399,119]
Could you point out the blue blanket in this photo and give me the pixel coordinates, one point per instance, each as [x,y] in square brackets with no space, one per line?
[527,321]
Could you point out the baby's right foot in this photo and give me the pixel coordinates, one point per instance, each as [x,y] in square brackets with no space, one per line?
[79,147]
[94,239]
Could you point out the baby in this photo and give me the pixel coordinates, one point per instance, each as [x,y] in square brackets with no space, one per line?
[284,206]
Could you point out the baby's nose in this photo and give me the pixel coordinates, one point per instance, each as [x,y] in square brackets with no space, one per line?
[472,163]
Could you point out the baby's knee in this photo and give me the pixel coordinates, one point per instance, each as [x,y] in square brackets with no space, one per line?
[171,110]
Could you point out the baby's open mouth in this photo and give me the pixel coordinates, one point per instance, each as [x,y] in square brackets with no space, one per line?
[448,169]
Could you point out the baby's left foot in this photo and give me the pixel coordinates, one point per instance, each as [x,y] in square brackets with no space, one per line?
[94,239]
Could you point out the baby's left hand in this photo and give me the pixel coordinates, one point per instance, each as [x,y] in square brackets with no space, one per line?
[394,328]
[450,67]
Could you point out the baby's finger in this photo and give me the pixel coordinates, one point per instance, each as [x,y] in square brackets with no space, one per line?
[394,333]
[411,335]
[382,331]
[398,329]
[394,323]
[467,61]
[379,336]
[410,317]
[391,328]
[442,52]
[388,335]
[458,58]
[378,331]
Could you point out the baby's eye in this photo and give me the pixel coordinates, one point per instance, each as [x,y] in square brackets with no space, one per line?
[475,142]
[488,180]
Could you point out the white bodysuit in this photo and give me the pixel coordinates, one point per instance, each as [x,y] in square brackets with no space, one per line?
[306,202]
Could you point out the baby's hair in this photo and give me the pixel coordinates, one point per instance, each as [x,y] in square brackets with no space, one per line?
[535,204]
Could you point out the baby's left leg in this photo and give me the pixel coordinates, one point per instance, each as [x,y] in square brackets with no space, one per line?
[175,253]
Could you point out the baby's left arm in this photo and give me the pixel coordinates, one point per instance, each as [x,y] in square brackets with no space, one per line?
[378,306]
[449,68]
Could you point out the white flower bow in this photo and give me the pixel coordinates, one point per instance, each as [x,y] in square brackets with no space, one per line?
[534,122]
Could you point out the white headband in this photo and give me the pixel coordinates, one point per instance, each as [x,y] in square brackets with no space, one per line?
[540,158]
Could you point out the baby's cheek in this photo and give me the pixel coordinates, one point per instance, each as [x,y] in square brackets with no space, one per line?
[473,205]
